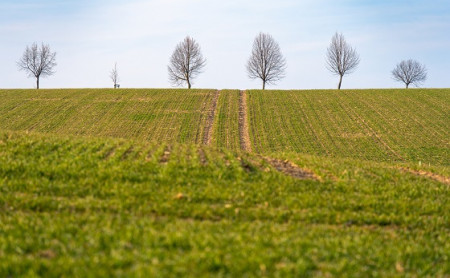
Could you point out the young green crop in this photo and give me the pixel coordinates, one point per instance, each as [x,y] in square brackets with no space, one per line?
[77,206]
[162,115]
[115,183]
[226,132]
[379,125]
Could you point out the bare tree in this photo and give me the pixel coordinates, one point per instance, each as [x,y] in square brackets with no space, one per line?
[341,58]
[38,62]
[186,62]
[114,75]
[410,71]
[266,61]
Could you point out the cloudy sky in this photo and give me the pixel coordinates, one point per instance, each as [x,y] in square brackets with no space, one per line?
[89,36]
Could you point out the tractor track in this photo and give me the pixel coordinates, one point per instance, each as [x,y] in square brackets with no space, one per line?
[244,136]
[207,134]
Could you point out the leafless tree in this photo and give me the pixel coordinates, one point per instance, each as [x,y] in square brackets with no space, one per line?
[186,62]
[114,75]
[341,58]
[266,61]
[38,62]
[410,71]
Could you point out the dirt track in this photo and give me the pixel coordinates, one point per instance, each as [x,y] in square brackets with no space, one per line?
[288,168]
[244,136]
[285,167]
[207,135]
[433,176]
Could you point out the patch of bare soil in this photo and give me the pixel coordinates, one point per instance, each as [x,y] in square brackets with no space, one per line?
[47,254]
[165,155]
[210,120]
[127,153]
[244,136]
[202,157]
[433,176]
[44,99]
[117,99]
[354,135]
[288,168]
[149,155]
[142,99]
[109,153]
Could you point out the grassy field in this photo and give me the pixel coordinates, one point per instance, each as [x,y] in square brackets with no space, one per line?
[149,115]
[104,207]
[379,125]
[226,133]
[116,183]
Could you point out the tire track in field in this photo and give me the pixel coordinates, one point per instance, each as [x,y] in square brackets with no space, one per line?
[421,173]
[430,128]
[314,132]
[393,127]
[244,136]
[207,134]
[198,135]
[380,139]
[367,127]
[283,166]
[291,169]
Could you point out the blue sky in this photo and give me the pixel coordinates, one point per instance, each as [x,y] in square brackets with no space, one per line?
[90,36]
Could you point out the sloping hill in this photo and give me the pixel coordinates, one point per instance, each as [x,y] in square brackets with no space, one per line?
[151,115]
[153,183]
[73,206]
[379,125]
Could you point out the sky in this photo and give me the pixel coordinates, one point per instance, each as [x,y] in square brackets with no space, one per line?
[90,36]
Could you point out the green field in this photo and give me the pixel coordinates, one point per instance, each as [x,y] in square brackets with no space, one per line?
[226,132]
[149,115]
[379,125]
[117,183]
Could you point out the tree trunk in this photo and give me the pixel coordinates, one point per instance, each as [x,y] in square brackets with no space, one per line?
[264,85]
[37,82]
[189,84]
[407,85]
[340,82]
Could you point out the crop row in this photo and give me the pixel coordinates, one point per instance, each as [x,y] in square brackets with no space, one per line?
[381,125]
[159,115]
[77,206]
[226,132]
